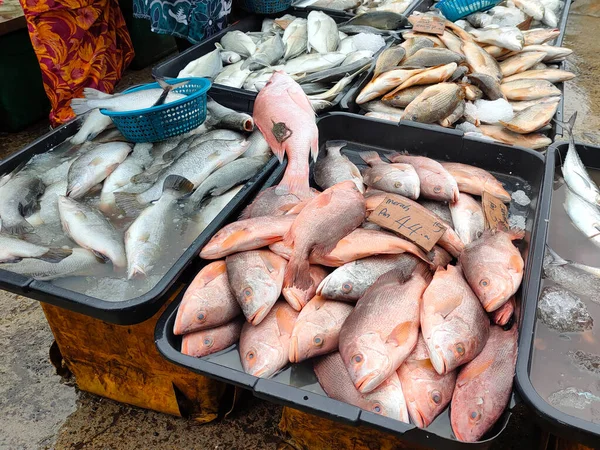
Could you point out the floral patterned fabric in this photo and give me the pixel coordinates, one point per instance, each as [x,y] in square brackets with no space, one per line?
[193,20]
[79,44]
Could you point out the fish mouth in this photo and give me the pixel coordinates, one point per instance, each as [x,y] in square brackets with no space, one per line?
[248,124]
[261,372]
[459,436]
[293,298]
[294,349]
[258,316]
[437,361]
[418,418]
[365,384]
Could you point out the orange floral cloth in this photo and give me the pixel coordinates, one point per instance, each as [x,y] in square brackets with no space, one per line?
[79,44]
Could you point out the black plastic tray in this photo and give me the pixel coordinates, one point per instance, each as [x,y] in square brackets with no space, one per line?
[557,422]
[140,308]
[172,67]
[296,386]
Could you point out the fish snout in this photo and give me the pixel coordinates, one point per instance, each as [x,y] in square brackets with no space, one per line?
[368,382]
[259,315]
[294,358]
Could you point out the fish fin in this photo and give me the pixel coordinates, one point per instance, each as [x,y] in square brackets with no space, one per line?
[473,370]
[294,209]
[149,176]
[99,255]
[314,147]
[401,333]
[516,234]
[299,98]
[213,270]
[526,24]
[95,94]
[179,184]
[297,274]
[569,124]
[294,182]
[371,158]
[19,228]
[128,203]
[267,262]
[323,199]
[585,180]
[55,255]
[80,106]
[12,173]
[557,260]
[318,301]
[234,238]
[285,321]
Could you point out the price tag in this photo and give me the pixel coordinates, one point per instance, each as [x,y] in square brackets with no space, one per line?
[495,212]
[409,220]
[428,24]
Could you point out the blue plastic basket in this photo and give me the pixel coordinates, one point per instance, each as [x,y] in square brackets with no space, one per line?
[265,6]
[457,9]
[171,119]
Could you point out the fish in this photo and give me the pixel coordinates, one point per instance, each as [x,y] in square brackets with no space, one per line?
[358,55]
[247,234]
[538,36]
[270,203]
[383,328]
[342,5]
[313,62]
[442,210]
[413,44]
[94,124]
[227,56]
[580,279]
[207,302]
[331,94]
[484,385]
[295,38]
[585,216]
[553,53]
[134,164]
[126,101]
[379,107]
[383,20]
[233,75]
[455,326]
[404,97]
[358,29]
[284,21]
[255,278]
[459,73]
[335,167]
[317,329]
[472,92]
[91,230]
[207,66]
[335,73]
[397,178]
[533,118]
[429,76]
[452,42]
[223,179]
[391,117]
[387,400]
[193,141]
[427,393]
[454,116]
[285,117]
[239,42]
[503,315]
[211,209]
[493,266]
[146,237]
[94,166]
[435,103]
[349,282]
[432,57]
[474,180]
[19,197]
[488,85]
[206,342]
[267,53]
[312,231]
[298,298]
[520,63]
[533,8]
[468,218]
[322,32]
[551,75]
[436,41]
[388,59]
[223,117]
[506,37]
[532,140]
[481,61]
[48,205]
[265,348]
[14,250]
[526,89]
[436,182]
[449,240]
[384,83]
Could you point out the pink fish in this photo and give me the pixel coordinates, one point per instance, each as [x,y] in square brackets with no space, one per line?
[285,117]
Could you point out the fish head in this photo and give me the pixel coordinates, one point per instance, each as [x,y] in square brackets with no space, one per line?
[493,284]
[262,358]
[314,332]
[226,239]
[342,284]
[296,297]
[194,312]
[257,295]
[473,413]
[451,345]
[367,361]
[388,400]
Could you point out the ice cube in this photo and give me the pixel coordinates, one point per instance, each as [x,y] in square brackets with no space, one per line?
[493,111]
[520,197]
[585,361]
[517,222]
[467,127]
[368,41]
[572,398]
[561,310]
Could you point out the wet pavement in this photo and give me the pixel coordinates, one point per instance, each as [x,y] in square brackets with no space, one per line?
[39,409]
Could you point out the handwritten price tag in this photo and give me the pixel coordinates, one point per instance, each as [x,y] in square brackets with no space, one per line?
[495,212]
[411,222]
[428,24]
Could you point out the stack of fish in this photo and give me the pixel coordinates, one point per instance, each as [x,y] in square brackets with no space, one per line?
[497,82]
[359,7]
[323,56]
[137,207]
[393,329]
[514,12]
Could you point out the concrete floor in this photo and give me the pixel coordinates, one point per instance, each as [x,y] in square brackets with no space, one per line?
[39,409]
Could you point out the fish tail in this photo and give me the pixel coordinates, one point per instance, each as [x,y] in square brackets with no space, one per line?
[335,146]
[95,94]
[81,105]
[568,125]
[181,185]
[19,228]
[55,255]
[371,157]
[297,274]
[129,203]
[556,258]
[295,182]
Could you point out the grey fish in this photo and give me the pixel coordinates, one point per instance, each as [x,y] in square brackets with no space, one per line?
[321,105]
[314,88]
[223,179]
[434,103]
[382,20]
[335,73]
[227,56]
[413,45]
[459,73]
[404,97]
[266,54]
[258,146]
[388,59]
[333,168]
[572,276]
[18,199]
[207,66]
[313,62]
[238,42]
[193,141]
[489,85]
[13,250]
[126,101]
[454,116]
[381,107]
[322,32]
[81,262]
[430,57]
[357,29]
[223,117]
[233,75]
[295,38]
[48,202]
[145,238]
[440,209]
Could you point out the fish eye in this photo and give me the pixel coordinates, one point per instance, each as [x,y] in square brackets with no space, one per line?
[318,340]
[347,287]
[484,282]
[474,416]
[201,316]
[460,349]
[250,355]
[247,292]
[377,408]
[208,342]
[357,359]
[436,396]
[437,189]
[397,184]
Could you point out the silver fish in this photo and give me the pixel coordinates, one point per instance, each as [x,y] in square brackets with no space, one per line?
[13,250]
[313,62]
[506,37]
[322,32]
[233,75]
[210,210]
[19,198]
[94,124]
[223,117]
[333,168]
[207,66]
[578,278]
[48,212]
[193,141]
[585,216]
[266,54]
[295,38]
[238,42]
